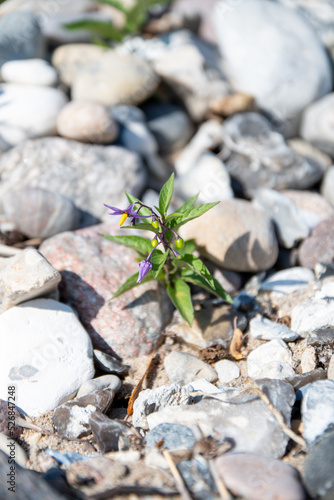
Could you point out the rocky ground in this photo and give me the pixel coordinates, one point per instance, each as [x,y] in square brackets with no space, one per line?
[122,398]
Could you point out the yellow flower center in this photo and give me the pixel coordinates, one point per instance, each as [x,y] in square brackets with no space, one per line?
[123,218]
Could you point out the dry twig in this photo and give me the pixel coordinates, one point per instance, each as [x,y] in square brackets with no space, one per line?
[138,388]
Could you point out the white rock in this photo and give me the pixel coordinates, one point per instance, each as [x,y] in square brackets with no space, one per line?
[208,177]
[318,409]
[264,329]
[308,360]
[182,368]
[327,186]
[276,370]
[288,280]
[315,313]
[104,382]
[275,350]
[45,353]
[26,276]
[227,371]
[330,371]
[28,111]
[29,72]
[317,124]
[270,52]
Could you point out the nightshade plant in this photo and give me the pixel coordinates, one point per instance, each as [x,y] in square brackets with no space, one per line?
[166,257]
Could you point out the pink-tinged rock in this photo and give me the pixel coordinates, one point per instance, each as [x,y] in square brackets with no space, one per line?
[92,270]
[319,247]
[259,478]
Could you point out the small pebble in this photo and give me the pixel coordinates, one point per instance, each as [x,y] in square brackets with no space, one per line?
[318,409]
[29,72]
[263,329]
[110,382]
[288,280]
[274,350]
[182,368]
[227,371]
[173,436]
[308,359]
[109,364]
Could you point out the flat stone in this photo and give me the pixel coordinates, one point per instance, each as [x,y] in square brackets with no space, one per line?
[92,270]
[319,246]
[227,371]
[174,436]
[318,468]
[21,37]
[248,423]
[110,382]
[182,368]
[40,213]
[321,336]
[288,280]
[116,79]
[327,186]
[259,57]
[70,58]
[50,345]
[274,350]
[257,156]
[109,364]
[211,325]
[28,111]
[263,329]
[64,166]
[273,478]
[313,314]
[87,121]
[288,218]
[29,72]
[150,401]
[318,409]
[316,126]
[27,275]
[235,235]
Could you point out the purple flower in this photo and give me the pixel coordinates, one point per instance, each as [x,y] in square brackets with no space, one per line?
[127,212]
[145,267]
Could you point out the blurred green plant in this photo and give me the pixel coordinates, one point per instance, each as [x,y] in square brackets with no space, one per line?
[104,31]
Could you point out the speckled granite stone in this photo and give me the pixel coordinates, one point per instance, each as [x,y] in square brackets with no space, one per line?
[92,269]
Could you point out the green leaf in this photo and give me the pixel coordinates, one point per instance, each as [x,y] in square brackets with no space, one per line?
[114,3]
[141,245]
[165,196]
[102,28]
[143,210]
[173,215]
[188,204]
[196,265]
[195,279]
[158,260]
[131,283]
[191,213]
[181,297]
[188,247]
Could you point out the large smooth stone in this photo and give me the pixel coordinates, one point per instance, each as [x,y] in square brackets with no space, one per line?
[270,52]
[64,166]
[45,353]
[235,235]
[317,124]
[319,246]
[92,270]
[28,111]
[29,72]
[116,79]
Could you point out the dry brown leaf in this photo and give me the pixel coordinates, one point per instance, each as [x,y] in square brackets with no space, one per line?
[138,388]
[236,342]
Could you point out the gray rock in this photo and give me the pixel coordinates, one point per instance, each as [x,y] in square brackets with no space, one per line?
[290,221]
[150,401]
[327,186]
[274,350]
[197,476]
[40,213]
[260,158]
[108,363]
[318,248]
[27,112]
[288,280]
[321,336]
[174,436]
[20,37]
[227,371]
[50,345]
[316,126]
[264,329]
[110,382]
[260,57]
[182,368]
[241,417]
[235,235]
[318,409]
[274,478]
[170,125]
[26,276]
[318,468]
[114,79]
[71,419]
[107,432]
[64,167]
